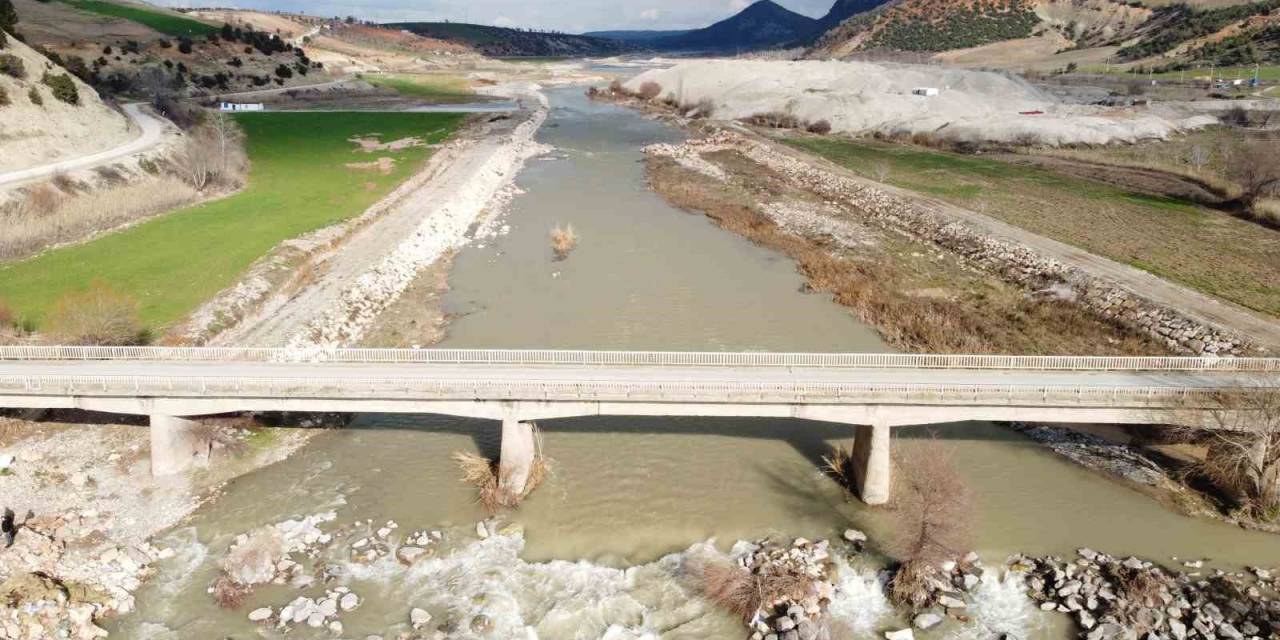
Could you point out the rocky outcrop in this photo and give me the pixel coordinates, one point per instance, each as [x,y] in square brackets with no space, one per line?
[1010,261]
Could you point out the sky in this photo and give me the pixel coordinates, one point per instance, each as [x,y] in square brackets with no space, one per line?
[573,16]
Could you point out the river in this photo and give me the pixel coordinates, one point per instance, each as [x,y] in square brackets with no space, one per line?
[596,555]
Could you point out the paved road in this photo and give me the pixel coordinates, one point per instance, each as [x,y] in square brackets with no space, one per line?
[1261,329]
[640,374]
[152,135]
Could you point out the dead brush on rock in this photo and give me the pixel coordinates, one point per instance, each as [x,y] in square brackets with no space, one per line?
[735,589]
[931,521]
[563,241]
[838,465]
[228,593]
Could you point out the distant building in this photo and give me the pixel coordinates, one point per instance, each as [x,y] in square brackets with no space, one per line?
[240,106]
[927,92]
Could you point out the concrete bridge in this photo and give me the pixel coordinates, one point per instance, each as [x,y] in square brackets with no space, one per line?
[873,392]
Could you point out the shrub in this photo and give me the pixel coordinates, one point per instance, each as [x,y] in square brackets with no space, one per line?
[33,95]
[64,88]
[283,71]
[97,316]
[930,520]
[8,19]
[184,45]
[41,201]
[7,319]
[650,90]
[563,241]
[12,66]
[4,97]
[821,127]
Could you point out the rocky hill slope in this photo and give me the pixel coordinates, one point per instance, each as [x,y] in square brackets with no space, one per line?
[761,25]
[48,114]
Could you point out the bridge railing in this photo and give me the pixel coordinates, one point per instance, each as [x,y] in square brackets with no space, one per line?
[549,357]
[559,390]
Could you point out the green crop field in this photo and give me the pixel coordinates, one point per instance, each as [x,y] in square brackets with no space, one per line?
[1182,241]
[435,88]
[163,22]
[299,182]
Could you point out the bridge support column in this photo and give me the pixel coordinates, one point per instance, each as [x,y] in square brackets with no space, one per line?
[174,445]
[516,457]
[872,464]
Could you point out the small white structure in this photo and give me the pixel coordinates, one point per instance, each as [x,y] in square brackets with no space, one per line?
[927,92]
[238,106]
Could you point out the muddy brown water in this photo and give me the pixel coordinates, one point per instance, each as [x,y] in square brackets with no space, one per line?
[603,537]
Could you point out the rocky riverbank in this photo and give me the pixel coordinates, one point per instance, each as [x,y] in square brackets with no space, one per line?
[85,509]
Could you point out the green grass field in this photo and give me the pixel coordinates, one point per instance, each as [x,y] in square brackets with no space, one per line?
[438,89]
[162,22]
[1205,249]
[299,182]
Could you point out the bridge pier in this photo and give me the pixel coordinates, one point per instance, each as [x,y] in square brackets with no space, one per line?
[872,463]
[175,448]
[515,460]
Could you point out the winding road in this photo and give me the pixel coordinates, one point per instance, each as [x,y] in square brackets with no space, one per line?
[153,133]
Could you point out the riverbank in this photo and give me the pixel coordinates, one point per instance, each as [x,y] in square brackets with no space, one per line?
[86,509]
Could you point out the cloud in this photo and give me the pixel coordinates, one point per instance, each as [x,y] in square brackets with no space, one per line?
[504,21]
[651,14]
[738,5]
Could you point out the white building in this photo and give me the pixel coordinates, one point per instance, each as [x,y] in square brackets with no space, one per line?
[239,106]
[927,92]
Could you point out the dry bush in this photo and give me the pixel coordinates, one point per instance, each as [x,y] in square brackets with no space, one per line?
[65,182]
[881,170]
[931,519]
[838,465]
[742,592]
[42,200]
[563,241]
[650,90]
[228,593]
[213,154]
[1242,438]
[774,120]
[483,474]
[7,318]
[704,108]
[96,316]
[616,88]
[1267,212]
[821,127]
[46,218]
[1256,168]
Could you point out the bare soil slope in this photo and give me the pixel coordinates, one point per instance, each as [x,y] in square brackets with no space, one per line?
[34,134]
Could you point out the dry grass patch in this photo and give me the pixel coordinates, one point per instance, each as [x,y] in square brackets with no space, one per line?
[47,218]
[485,475]
[737,590]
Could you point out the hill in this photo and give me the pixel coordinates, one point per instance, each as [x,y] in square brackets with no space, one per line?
[503,42]
[843,10]
[49,114]
[636,36]
[762,25]
[931,25]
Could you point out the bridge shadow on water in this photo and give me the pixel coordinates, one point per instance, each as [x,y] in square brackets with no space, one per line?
[810,438]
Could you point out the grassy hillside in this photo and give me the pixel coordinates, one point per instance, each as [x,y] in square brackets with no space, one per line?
[1201,248]
[299,182]
[158,20]
[503,42]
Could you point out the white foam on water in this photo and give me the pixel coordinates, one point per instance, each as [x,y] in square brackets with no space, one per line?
[859,605]
[1000,606]
[539,600]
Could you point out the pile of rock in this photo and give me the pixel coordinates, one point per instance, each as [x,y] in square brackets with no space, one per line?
[1113,598]
[54,585]
[950,589]
[796,615]
[264,555]
[314,612]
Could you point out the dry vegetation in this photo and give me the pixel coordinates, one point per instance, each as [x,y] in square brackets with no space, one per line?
[97,316]
[916,301]
[741,592]
[563,241]
[213,155]
[1242,450]
[47,216]
[485,475]
[931,520]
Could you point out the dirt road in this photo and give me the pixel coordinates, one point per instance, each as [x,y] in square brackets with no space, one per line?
[153,132]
